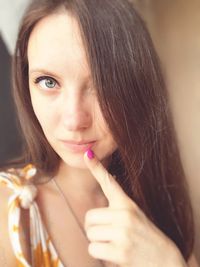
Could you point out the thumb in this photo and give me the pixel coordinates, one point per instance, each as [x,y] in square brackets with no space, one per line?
[112,190]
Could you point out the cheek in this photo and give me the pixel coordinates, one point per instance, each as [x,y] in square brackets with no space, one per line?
[108,144]
[43,112]
[100,123]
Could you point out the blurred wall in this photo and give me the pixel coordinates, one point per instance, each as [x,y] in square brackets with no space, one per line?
[10,141]
[175,29]
[10,16]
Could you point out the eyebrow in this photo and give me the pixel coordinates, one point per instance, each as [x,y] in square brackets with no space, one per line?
[42,71]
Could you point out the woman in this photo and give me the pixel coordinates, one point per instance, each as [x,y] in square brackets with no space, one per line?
[109,188]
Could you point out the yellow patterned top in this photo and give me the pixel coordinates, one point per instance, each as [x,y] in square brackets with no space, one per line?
[43,253]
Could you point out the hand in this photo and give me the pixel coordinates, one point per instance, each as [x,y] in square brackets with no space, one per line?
[121,233]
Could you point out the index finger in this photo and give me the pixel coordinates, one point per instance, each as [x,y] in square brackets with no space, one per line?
[117,198]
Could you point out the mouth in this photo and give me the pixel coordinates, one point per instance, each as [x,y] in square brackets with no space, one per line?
[78,147]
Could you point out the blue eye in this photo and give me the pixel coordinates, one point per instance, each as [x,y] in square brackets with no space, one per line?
[46,82]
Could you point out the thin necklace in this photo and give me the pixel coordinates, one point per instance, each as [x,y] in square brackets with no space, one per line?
[72,212]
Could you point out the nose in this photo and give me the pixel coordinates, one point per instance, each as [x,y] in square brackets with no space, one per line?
[76,114]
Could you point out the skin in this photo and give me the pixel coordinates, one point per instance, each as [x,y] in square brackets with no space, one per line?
[67,108]
[121,233]
[73,111]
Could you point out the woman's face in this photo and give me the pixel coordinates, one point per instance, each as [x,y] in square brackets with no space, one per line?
[62,94]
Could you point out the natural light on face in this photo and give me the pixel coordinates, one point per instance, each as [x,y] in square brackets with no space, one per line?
[62,94]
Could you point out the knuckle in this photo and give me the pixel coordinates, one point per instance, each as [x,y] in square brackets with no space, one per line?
[125,255]
[129,218]
[126,235]
[123,235]
[96,164]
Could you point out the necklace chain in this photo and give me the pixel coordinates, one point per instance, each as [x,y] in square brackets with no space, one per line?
[70,207]
[72,212]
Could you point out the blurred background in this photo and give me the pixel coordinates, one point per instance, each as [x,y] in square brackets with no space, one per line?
[175,29]
[10,140]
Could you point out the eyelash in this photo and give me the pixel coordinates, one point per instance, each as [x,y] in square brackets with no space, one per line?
[43,78]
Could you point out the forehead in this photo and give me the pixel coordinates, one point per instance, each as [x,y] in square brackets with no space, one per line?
[56,41]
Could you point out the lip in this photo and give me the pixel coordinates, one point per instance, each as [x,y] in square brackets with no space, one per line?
[78,146]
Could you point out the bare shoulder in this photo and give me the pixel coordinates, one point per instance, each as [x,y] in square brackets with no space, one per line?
[7,257]
[193,262]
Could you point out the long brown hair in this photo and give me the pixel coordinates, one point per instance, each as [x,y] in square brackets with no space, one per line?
[133,99]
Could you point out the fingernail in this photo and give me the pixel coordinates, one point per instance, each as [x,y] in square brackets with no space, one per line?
[90,154]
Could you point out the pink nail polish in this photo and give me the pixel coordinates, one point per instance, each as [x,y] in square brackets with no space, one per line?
[90,154]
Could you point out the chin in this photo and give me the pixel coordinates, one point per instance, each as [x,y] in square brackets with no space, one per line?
[74,161]
[76,164]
